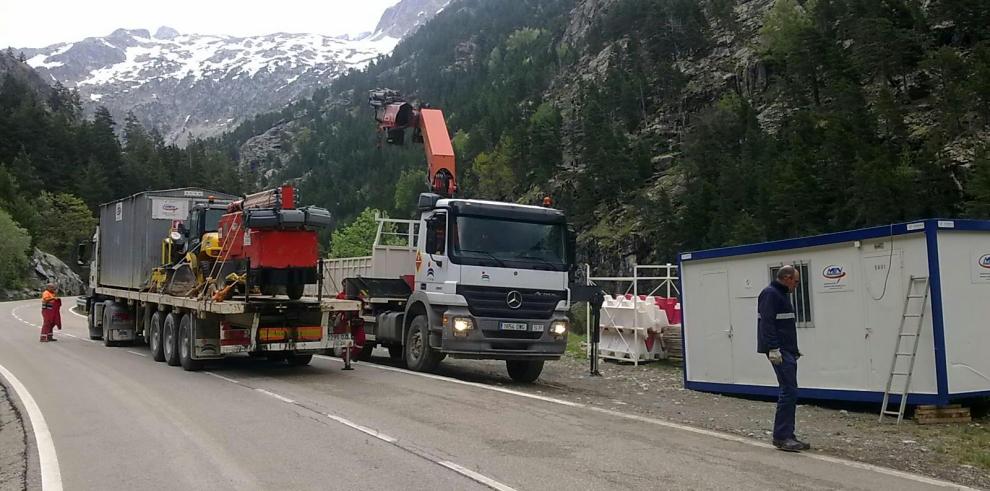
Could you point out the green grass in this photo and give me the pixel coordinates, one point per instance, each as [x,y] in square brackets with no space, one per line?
[574,347]
[968,444]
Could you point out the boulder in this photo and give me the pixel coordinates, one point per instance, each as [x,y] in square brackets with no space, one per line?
[47,268]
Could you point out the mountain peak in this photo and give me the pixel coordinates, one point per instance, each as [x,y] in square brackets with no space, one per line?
[166,32]
[405,17]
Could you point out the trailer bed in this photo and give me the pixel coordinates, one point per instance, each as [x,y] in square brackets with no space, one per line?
[233,305]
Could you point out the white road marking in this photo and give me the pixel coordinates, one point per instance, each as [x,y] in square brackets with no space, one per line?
[77,314]
[136,353]
[476,477]
[363,429]
[462,382]
[279,397]
[480,478]
[51,476]
[669,424]
[221,377]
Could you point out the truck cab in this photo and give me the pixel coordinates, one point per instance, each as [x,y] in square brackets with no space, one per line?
[484,280]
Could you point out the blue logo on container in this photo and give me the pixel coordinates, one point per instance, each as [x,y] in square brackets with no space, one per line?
[985,261]
[834,272]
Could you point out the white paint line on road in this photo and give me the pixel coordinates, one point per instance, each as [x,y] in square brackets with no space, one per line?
[363,429]
[462,382]
[476,477]
[136,353]
[221,377]
[51,475]
[383,437]
[669,424]
[272,394]
[77,314]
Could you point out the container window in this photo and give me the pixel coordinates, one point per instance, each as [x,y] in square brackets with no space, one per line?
[801,296]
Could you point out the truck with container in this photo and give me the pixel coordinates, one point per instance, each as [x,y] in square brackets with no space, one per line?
[469,278]
[199,275]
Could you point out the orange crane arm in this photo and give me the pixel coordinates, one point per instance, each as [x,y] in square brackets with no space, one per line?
[394,115]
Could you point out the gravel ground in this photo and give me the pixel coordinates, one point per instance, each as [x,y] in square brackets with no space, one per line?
[13,446]
[954,452]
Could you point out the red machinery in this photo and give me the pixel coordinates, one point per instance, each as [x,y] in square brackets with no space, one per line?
[274,242]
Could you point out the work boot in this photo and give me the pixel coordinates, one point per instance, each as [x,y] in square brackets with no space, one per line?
[52,339]
[804,445]
[789,445]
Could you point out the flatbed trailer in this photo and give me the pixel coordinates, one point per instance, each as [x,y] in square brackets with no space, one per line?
[187,331]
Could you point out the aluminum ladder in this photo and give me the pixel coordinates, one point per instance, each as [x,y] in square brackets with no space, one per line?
[913,294]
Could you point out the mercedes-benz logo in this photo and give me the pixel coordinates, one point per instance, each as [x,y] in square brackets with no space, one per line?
[513,299]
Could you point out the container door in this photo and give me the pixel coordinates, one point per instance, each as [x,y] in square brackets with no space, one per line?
[711,358]
[883,279]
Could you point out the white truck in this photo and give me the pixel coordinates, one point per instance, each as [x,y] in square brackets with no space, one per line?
[469,279]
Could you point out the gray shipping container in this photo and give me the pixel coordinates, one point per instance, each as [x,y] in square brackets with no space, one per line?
[132,230]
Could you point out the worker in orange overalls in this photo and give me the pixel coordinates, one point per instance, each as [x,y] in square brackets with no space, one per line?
[51,312]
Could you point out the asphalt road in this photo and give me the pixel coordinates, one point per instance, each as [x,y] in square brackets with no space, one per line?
[119,420]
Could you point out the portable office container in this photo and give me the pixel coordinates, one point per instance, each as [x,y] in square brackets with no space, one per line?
[132,230]
[849,305]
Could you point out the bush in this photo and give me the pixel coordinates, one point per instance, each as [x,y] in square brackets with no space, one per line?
[14,245]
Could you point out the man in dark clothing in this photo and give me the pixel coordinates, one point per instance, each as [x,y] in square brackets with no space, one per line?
[777,339]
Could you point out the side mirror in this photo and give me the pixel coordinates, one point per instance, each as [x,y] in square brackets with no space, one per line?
[82,257]
[571,248]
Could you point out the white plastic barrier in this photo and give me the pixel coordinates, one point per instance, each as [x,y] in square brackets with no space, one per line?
[631,328]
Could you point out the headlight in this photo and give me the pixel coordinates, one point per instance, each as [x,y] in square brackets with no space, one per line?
[558,328]
[175,236]
[462,324]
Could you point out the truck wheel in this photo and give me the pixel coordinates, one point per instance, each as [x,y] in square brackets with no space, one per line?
[186,341]
[91,323]
[106,328]
[420,357]
[299,360]
[155,337]
[170,338]
[525,371]
[295,290]
[395,351]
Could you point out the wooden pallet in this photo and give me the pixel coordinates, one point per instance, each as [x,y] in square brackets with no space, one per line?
[673,346]
[953,413]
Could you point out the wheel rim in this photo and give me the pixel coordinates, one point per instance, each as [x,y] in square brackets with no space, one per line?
[183,344]
[156,337]
[416,346]
[168,340]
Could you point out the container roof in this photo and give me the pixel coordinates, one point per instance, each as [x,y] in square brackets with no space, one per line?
[919,226]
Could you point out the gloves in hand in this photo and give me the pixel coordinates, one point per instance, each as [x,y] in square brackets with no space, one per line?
[775,357]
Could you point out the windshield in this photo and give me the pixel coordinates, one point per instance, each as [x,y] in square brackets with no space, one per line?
[212,220]
[486,241]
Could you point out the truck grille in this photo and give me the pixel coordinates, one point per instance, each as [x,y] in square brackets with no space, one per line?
[485,301]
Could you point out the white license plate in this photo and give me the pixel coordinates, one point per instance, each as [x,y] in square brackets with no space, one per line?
[537,327]
[514,326]
[340,340]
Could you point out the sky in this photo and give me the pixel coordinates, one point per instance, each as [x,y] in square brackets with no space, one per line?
[28,24]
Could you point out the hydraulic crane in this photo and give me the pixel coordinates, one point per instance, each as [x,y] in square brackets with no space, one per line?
[395,115]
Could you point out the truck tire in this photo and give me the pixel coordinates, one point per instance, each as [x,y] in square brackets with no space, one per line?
[186,342]
[525,371]
[106,328]
[299,360]
[295,291]
[155,337]
[420,357]
[170,339]
[91,323]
